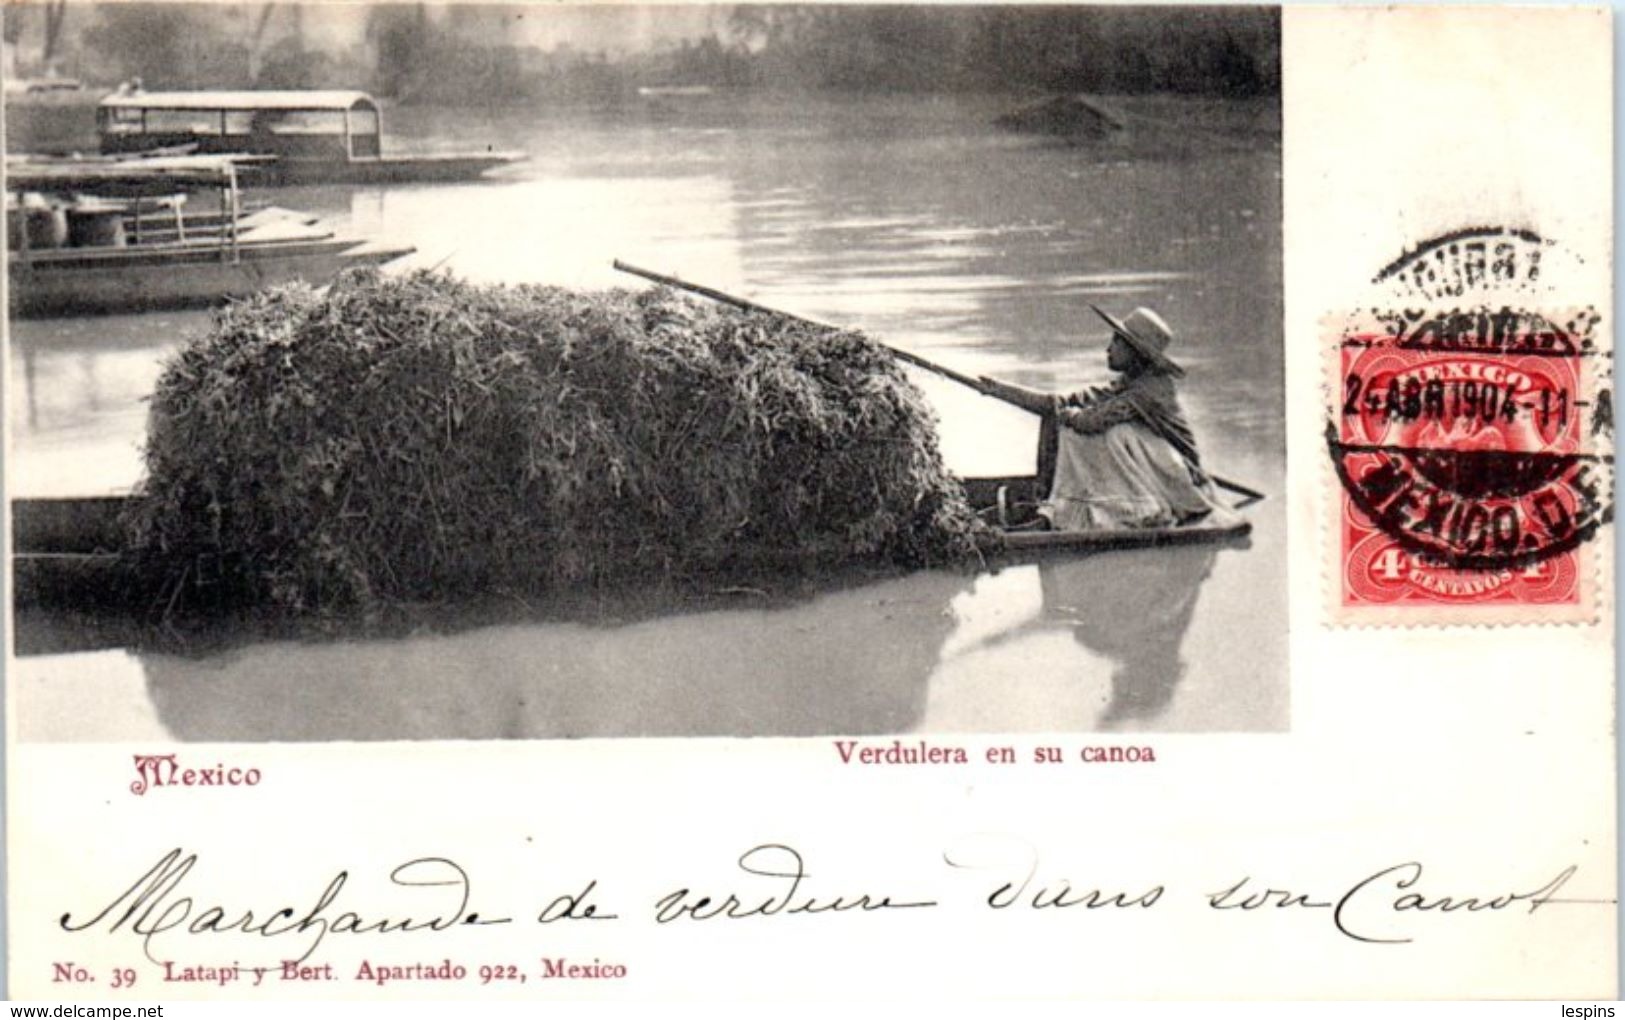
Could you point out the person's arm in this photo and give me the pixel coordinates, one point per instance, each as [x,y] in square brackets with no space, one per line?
[1030,400]
[1099,415]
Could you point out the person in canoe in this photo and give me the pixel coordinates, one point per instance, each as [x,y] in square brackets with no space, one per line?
[1122,455]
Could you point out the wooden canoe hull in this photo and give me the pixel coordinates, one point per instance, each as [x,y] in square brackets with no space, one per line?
[987,494]
[67,552]
[133,279]
[1031,542]
[90,524]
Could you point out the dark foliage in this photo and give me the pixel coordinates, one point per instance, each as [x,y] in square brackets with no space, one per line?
[471,54]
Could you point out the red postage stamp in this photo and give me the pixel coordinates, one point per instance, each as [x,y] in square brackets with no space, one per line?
[1472,443]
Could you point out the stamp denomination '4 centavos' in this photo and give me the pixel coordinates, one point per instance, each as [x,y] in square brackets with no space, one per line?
[1471,431]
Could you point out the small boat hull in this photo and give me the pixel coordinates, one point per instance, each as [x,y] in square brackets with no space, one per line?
[425,169]
[1002,500]
[91,281]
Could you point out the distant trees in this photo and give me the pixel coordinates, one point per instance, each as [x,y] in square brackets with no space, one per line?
[466,53]
[415,60]
[56,13]
[1221,50]
[706,62]
[400,38]
[287,64]
[39,26]
[166,45]
[856,47]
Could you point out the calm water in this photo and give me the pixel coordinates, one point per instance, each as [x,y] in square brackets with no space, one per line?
[910,218]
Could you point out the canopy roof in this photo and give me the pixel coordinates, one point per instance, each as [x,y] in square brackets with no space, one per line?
[146,176]
[312,99]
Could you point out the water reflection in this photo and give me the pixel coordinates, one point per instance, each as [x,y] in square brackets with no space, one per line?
[849,661]
[78,398]
[1075,645]
[1139,623]
[886,656]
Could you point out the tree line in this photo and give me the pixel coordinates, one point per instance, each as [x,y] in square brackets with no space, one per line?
[454,55]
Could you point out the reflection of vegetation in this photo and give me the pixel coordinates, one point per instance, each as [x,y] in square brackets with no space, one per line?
[472,53]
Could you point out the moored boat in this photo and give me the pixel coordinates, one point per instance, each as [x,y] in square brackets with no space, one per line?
[92,236]
[312,136]
[49,114]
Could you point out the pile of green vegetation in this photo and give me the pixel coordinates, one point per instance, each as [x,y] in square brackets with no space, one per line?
[423,438]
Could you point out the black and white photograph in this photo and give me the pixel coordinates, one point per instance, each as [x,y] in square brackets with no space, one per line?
[462,371]
[814,502]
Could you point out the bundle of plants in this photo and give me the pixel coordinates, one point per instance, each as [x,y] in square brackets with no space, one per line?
[421,438]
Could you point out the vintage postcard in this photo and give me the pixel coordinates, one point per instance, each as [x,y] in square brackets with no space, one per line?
[716,501]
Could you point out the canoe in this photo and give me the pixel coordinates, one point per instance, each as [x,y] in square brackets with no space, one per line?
[1008,503]
[66,552]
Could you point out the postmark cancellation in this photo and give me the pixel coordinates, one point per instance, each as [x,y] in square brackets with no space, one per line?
[1469,434]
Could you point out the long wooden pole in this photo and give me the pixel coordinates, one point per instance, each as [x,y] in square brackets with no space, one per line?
[913,359]
[751,306]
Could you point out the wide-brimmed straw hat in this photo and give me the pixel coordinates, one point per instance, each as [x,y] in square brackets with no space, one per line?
[1147,333]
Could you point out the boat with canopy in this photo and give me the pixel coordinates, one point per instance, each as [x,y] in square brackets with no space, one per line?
[308,136]
[108,235]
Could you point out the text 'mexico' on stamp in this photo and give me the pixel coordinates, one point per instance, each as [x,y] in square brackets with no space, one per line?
[1471,434]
